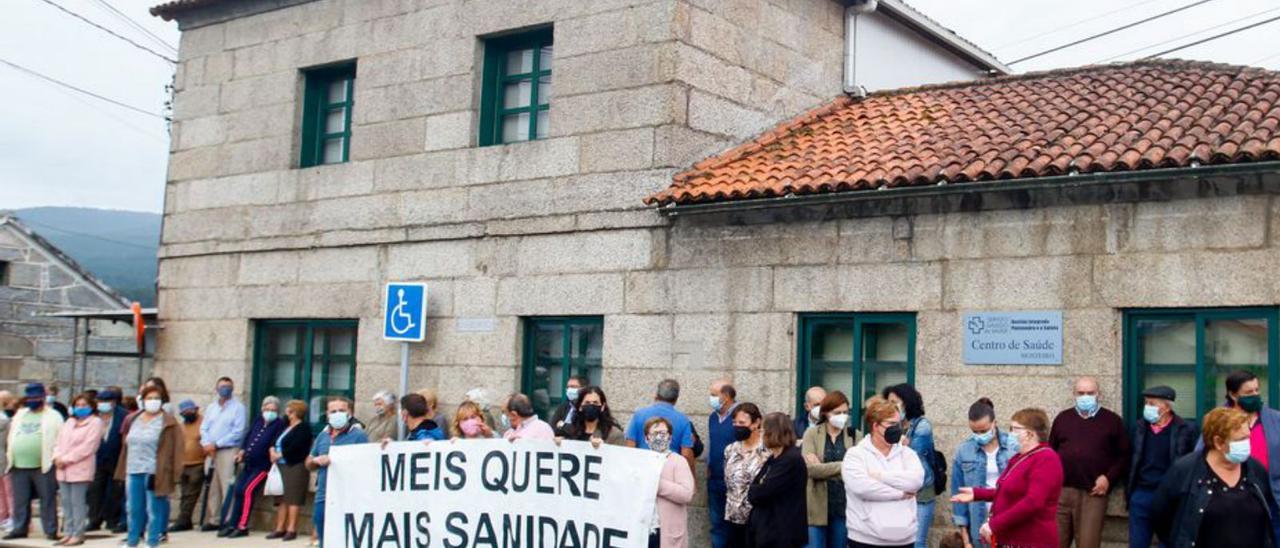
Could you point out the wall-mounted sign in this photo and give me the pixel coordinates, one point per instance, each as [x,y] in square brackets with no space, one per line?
[1013,338]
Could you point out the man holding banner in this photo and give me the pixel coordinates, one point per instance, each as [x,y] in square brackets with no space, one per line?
[339,432]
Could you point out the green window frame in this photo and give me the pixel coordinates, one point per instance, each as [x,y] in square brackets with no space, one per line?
[327,101]
[515,99]
[881,351]
[306,360]
[4,273]
[556,348]
[1193,349]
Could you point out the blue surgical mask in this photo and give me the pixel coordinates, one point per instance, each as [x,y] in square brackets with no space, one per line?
[1151,413]
[1087,403]
[571,394]
[984,438]
[715,403]
[1238,451]
[268,416]
[338,420]
[224,391]
[35,405]
[50,399]
[81,411]
[105,406]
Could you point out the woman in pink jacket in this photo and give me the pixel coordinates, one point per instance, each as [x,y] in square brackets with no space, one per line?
[675,489]
[73,456]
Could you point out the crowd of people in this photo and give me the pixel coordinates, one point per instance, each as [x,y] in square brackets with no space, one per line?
[825,479]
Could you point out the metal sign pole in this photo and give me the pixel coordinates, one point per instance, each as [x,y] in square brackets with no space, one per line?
[404,384]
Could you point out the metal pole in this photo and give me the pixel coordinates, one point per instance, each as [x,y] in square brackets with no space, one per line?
[404,384]
[75,348]
[84,363]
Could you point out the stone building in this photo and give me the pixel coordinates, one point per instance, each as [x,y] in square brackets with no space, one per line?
[530,161]
[39,286]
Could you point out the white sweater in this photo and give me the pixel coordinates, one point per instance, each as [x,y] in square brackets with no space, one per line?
[879,509]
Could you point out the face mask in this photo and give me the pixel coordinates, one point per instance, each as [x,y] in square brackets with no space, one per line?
[470,427]
[105,407]
[715,403]
[1238,451]
[659,441]
[379,411]
[592,412]
[152,406]
[81,412]
[224,391]
[741,433]
[1086,404]
[338,420]
[1151,413]
[893,434]
[985,437]
[50,399]
[35,405]
[505,420]
[839,421]
[8,413]
[571,394]
[1250,404]
[814,413]
[268,416]
[188,418]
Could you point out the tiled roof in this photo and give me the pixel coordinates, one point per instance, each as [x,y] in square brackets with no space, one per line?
[1109,118]
[168,9]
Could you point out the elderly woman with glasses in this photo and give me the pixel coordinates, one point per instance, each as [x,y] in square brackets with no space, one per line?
[255,457]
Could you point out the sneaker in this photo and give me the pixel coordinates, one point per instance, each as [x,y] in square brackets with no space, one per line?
[207,528]
[238,533]
[6,524]
[14,535]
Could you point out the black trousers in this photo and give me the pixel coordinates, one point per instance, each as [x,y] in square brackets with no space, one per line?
[855,544]
[106,498]
[30,484]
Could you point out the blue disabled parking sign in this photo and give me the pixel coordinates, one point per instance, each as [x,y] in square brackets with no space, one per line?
[404,312]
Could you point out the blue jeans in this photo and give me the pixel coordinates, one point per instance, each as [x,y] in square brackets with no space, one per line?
[833,535]
[1140,531]
[719,527]
[317,519]
[924,517]
[145,510]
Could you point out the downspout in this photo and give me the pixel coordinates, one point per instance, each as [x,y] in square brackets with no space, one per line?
[851,12]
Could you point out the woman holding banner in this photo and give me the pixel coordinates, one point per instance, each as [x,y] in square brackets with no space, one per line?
[675,489]
[593,421]
[742,461]
[779,516]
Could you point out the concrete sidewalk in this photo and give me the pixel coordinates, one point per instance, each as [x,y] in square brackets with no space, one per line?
[186,539]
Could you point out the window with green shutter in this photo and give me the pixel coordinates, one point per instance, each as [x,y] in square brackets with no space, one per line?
[556,349]
[858,354]
[326,115]
[515,100]
[306,360]
[1193,351]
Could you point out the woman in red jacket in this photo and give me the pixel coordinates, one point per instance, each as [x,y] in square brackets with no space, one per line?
[1024,512]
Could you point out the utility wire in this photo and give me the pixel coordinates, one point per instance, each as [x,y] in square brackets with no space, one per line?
[1267,58]
[1071,26]
[84,234]
[1101,34]
[111,32]
[1177,38]
[136,25]
[52,80]
[1214,37]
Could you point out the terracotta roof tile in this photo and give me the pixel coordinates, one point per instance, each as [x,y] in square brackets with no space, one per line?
[1124,117]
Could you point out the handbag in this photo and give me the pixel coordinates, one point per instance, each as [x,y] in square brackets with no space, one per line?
[275,482]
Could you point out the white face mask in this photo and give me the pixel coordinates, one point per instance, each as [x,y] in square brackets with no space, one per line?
[814,413]
[151,406]
[839,421]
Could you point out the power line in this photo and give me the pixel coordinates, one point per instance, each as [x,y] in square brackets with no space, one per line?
[1176,38]
[136,25]
[1214,37]
[111,32]
[1266,58]
[52,80]
[85,235]
[1072,25]
[1105,33]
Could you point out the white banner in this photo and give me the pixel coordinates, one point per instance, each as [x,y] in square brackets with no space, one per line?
[492,493]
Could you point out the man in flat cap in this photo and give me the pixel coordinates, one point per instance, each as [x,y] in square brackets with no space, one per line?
[1160,437]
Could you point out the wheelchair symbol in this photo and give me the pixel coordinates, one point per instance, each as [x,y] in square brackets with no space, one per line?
[398,315]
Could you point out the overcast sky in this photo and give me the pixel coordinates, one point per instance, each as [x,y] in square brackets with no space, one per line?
[58,147]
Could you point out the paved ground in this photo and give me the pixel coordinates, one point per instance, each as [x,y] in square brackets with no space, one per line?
[183,540]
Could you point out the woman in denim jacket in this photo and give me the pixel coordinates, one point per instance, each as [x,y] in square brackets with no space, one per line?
[972,467]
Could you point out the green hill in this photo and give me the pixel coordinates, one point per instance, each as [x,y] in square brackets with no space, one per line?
[119,247]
